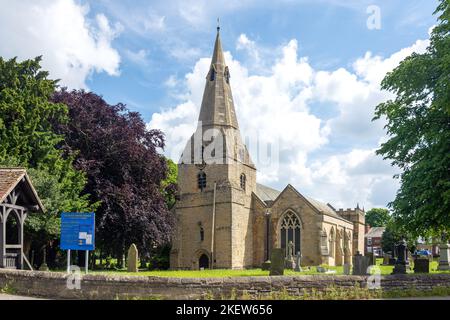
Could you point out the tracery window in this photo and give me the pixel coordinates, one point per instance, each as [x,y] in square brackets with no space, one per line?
[290,231]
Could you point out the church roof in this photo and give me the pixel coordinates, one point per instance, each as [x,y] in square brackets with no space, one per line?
[217,105]
[269,195]
[10,178]
[266,193]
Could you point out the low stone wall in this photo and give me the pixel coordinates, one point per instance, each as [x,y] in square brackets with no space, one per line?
[54,285]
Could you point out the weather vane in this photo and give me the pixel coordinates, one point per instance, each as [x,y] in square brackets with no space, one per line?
[218,24]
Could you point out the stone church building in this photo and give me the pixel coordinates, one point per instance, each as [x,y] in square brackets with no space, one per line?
[225,219]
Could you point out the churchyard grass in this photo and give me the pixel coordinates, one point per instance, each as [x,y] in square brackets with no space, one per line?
[218,273]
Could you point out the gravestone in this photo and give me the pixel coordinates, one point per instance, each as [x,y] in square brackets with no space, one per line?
[422,265]
[360,264]
[132,259]
[371,258]
[347,269]
[400,263]
[277,262]
[298,260]
[386,258]
[44,266]
[290,263]
[444,255]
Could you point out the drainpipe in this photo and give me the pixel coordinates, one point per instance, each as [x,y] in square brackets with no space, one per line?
[268,235]
[213,227]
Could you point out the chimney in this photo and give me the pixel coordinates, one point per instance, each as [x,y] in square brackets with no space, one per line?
[367,228]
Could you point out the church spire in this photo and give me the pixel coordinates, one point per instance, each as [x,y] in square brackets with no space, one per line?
[217,105]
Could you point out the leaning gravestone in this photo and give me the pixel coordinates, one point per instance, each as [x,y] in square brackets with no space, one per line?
[132,259]
[277,262]
[422,265]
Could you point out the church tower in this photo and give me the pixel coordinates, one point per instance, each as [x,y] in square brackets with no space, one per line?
[216,179]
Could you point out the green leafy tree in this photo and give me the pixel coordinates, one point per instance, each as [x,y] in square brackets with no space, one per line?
[27,139]
[378,217]
[169,185]
[418,124]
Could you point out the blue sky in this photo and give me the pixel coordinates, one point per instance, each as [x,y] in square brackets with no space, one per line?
[331,34]
[305,74]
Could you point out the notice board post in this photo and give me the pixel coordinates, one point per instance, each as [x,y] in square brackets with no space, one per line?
[78,233]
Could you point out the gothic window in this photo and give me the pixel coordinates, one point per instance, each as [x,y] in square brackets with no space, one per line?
[290,231]
[212,75]
[201,180]
[202,234]
[243,181]
[331,243]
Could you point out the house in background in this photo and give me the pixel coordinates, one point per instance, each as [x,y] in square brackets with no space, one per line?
[372,239]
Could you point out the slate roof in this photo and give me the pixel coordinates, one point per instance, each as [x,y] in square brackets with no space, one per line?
[269,195]
[10,178]
[375,232]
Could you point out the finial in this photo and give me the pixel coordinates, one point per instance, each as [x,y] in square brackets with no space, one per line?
[218,24]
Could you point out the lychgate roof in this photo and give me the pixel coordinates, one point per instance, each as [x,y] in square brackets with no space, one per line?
[10,178]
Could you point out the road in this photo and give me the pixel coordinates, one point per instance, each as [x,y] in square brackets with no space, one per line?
[11,297]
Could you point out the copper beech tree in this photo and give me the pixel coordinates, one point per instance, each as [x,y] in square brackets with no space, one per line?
[125,171]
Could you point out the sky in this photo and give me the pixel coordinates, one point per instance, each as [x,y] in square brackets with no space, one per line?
[305,74]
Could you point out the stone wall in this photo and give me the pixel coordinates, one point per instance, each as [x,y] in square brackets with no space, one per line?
[54,285]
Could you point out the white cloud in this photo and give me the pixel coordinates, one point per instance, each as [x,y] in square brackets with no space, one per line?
[333,160]
[139,57]
[72,46]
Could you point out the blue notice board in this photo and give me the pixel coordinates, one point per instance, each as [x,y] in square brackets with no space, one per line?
[78,231]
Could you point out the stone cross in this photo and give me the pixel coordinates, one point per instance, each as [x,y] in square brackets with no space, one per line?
[132,259]
[290,251]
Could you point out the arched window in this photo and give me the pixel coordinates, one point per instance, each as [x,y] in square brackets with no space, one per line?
[201,180]
[243,181]
[290,231]
[331,243]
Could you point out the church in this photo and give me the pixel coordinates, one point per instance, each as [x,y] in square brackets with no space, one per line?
[226,220]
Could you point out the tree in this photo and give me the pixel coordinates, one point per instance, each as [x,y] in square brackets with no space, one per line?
[27,139]
[378,217]
[418,125]
[169,185]
[125,172]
